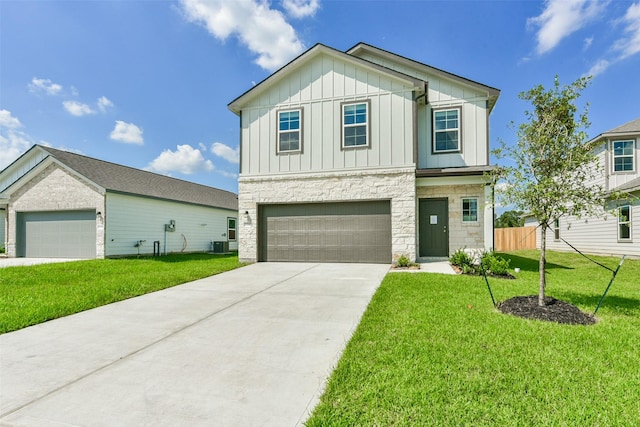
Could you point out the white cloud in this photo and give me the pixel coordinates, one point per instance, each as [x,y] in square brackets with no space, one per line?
[262,29]
[12,145]
[77,108]
[104,103]
[301,8]
[127,132]
[226,152]
[630,44]
[588,42]
[598,68]
[185,159]
[12,141]
[44,85]
[8,121]
[561,18]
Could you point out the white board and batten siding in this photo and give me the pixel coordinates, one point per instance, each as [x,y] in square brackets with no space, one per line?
[319,87]
[133,218]
[444,93]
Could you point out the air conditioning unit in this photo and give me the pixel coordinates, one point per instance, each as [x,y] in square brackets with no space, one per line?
[220,247]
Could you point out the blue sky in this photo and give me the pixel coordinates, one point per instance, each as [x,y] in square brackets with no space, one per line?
[147,83]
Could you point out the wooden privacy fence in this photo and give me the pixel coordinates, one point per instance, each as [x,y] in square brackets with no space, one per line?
[515,238]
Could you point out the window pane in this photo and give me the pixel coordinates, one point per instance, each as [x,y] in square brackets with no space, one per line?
[623,148]
[625,231]
[289,141]
[469,209]
[289,120]
[355,136]
[622,164]
[447,140]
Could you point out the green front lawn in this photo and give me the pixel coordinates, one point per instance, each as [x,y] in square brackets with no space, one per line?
[35,294]
[431,350]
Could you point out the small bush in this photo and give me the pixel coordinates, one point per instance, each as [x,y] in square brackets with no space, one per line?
[494,264]
[461,259]
[488,261]
[403,261]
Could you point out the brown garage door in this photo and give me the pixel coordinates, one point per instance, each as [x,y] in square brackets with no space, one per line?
[326,232]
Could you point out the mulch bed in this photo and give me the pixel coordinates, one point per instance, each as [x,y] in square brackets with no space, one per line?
[553,311]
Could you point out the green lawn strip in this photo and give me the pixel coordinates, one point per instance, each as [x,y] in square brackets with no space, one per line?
[432,350]
[35,294]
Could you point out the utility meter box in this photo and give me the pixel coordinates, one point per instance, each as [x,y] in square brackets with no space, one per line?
[171,226]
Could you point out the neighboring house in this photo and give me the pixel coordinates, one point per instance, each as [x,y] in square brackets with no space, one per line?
[363,156]
[618,231]
[64,205]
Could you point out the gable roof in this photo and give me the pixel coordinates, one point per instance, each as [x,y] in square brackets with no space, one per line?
[127,180]
[237,104]
[491,92]
[629,128]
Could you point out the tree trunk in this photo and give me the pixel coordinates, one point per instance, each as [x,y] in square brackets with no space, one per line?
[543,261]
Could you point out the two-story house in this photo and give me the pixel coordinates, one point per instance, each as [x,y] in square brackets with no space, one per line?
[617,231]
[363,156]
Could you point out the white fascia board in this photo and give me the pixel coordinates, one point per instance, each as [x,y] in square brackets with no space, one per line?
[39,168]
[237,104]
[450,180]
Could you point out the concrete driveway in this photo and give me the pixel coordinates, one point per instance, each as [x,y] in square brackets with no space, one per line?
[250,347]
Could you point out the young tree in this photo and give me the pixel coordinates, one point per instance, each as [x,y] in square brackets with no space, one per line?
[553,167]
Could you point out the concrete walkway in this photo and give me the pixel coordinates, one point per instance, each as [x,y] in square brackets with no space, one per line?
[20,262]
[250,347]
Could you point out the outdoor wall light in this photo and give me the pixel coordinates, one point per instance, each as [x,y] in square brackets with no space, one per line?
[246,217]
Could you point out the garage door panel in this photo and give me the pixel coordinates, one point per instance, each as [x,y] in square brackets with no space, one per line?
[329,232]
[66,234]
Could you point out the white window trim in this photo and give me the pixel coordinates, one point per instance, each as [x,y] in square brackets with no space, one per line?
[366,124]
[471,221]
[279,132]
[632,156]
[234,229]
[556,230]
[628,222]
[434,150]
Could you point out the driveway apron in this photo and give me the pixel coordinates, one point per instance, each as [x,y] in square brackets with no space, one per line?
[250,347]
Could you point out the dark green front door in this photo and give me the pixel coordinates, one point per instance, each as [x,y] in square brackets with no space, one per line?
[434,227]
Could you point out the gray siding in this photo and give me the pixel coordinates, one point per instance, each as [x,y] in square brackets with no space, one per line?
[319,87]
[130,219]
[443,94]
[596,235]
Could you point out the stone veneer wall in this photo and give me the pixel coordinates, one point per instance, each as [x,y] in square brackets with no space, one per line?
[397,185]
[54,189]
[461,234]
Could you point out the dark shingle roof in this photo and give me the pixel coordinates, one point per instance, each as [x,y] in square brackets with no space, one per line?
[124,179]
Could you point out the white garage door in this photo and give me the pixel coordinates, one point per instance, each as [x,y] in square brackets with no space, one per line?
[64,234]
[326,232]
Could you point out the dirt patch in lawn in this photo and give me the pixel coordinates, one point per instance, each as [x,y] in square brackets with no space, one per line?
[553,311]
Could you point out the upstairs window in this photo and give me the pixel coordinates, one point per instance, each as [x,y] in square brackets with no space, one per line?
[556,230]
[470,209]
[623,156]
[355,125]
[289,130]
[446,130]
[624,223]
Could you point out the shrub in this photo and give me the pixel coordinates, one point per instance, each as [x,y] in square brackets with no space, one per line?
[403,261]
[494,264]
[461,259]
